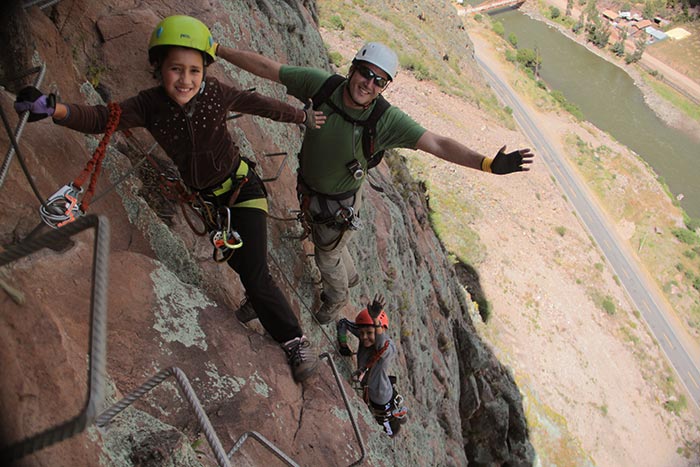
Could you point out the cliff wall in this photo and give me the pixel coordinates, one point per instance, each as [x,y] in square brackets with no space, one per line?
[170,305]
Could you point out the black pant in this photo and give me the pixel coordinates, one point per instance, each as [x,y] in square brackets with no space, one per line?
[250,262]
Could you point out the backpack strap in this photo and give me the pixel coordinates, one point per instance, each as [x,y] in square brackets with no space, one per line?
[370,132]
[369,126]
[326,89]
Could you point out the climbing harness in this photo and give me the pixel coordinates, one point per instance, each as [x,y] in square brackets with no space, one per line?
[359,375]
[341,218]
[345,219]
[65,206]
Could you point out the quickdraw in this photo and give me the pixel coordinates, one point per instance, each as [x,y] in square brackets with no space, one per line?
[64,206]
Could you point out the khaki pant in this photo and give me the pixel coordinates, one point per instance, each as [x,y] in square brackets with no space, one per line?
[331,254]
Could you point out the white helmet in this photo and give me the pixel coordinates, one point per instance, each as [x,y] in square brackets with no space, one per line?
[380,55]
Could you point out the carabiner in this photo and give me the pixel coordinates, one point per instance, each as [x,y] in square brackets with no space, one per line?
[238,241]
[62,207]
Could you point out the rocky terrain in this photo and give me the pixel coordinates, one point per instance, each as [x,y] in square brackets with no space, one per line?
[585,380]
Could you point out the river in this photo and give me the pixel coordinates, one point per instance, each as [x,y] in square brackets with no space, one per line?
[608,98]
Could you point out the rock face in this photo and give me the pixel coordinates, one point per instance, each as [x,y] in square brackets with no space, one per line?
[170,305]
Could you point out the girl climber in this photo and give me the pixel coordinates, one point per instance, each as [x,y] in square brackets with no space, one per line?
[186,114]
[375,353]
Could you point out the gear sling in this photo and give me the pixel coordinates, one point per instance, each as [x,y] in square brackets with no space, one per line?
[343,218]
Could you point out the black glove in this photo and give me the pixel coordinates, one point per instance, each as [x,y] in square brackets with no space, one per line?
[345,351]
[516,161]
[39,105]
[376,306]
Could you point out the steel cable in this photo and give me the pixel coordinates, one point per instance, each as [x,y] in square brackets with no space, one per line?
[98,331]
[186,387]
[266,443]
[358,435]
[18,132]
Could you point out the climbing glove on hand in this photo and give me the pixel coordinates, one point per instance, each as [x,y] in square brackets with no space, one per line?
[508,162]
[314,118]
[345,350]
[38,104]
[376,306]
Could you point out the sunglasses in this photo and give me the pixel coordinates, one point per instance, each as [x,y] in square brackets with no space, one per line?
[366,73]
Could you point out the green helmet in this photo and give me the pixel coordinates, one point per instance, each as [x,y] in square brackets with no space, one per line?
[182,31]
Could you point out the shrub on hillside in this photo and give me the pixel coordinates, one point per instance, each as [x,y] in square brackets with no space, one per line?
[608,306]
[498,28]
[513,39]
[336,22]
[685,236]
[335,58]
[420,71]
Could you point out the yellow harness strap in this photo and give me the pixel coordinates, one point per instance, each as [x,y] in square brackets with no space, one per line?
[241,172]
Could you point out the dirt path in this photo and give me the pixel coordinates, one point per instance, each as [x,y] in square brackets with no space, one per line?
[677,79]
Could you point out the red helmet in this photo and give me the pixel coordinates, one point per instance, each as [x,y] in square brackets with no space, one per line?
[364,319]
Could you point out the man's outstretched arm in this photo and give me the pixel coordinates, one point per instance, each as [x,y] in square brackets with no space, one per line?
[457,153]
[252,62]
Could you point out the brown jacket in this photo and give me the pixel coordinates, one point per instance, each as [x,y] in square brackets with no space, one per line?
[195,136]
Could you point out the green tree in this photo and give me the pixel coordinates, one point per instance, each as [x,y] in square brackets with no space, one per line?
[598,33]
[591,9]
[529,59]
[554,12]
[634,57]
[513,39]
[576,28]
[649,10]
[498,28]
[618,48]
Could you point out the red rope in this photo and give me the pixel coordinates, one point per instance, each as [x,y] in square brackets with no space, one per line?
[94,165]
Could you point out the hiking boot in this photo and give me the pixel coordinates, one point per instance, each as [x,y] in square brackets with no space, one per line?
[329,311]
[246,312]
[300,357]
[354,281]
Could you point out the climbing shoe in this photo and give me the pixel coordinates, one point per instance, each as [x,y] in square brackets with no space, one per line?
[329,311]
[246,312]
[300,357]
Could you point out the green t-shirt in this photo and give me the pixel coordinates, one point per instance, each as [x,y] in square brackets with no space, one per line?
[325,152]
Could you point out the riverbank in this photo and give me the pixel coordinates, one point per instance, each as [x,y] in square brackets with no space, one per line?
[665,110]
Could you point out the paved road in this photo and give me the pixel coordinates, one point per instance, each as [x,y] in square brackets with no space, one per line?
[626,269]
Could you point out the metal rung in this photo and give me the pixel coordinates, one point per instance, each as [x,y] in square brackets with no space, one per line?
[98,332]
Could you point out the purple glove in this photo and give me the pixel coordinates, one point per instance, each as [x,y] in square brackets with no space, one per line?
[39,105]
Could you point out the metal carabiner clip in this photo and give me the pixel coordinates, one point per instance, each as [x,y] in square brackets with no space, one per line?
[238,241]
[62,207]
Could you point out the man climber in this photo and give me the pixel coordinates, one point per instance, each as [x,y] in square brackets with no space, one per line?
[334,159]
